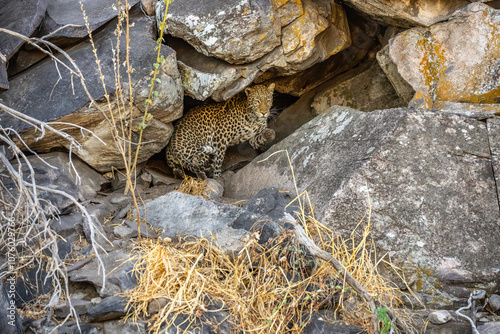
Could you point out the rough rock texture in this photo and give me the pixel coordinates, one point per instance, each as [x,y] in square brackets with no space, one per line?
[149,7]
[363,35]
[204,76]
[237,31]
[441,65]
[370,90]
[129,327]
[489,328]
[440,317]
[4,81]
[118,273]
[479,111]
[494,302]
[22,17]
[416,168]
[81,307]
[296,36]
[319,325]
[108,309]
[61,12]
[38,92]
[60,176]
[171,213]
[229,224]
[319,32]
[24,59]
[408,13]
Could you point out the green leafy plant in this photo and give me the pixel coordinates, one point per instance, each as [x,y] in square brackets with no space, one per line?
[384,319]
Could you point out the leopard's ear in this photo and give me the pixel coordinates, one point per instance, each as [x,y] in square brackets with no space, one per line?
[248,91]
[271,87]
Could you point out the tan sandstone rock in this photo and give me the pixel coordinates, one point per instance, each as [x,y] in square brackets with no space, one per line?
[455,61]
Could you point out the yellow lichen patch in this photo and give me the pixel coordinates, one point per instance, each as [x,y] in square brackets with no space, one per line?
[433,63]
[422,100]
[279,3]
[469,80]
[490,97]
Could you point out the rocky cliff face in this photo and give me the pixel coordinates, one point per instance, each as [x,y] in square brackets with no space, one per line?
[386,107]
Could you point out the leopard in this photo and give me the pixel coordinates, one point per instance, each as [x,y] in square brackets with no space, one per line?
[202,136]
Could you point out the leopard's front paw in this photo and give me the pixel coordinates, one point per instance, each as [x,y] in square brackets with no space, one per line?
[269,134]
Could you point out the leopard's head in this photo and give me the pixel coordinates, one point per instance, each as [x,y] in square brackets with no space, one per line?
[260,99]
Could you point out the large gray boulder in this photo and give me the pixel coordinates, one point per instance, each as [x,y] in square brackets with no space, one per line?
[179,215]
[235,31]
[22,17]
[452,61]
[428,176]
[41,93]
[228,53]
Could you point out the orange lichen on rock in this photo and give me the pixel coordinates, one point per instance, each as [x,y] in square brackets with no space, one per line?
[442,62]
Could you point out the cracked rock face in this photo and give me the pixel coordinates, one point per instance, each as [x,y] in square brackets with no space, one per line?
[237,31]
[235,42]
[41,93]
[22,17]
[415,167]
[440,64]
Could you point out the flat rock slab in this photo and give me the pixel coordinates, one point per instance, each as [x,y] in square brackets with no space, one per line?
[81,307]
[60,13]
[50,93]
[109,308]
[416,168]
[22,17]
[367,91]
[119,275]
[179,215]
[52,170]
[53,98]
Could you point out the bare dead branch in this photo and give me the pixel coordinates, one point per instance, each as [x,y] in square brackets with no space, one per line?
[325,256]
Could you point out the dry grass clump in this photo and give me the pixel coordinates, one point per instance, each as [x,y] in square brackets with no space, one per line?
[271,288]
[194,186]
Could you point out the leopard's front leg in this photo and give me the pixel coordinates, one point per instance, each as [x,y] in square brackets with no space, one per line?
[265,136]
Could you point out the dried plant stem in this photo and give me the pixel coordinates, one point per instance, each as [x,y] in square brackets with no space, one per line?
[153,80]
[325,256]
